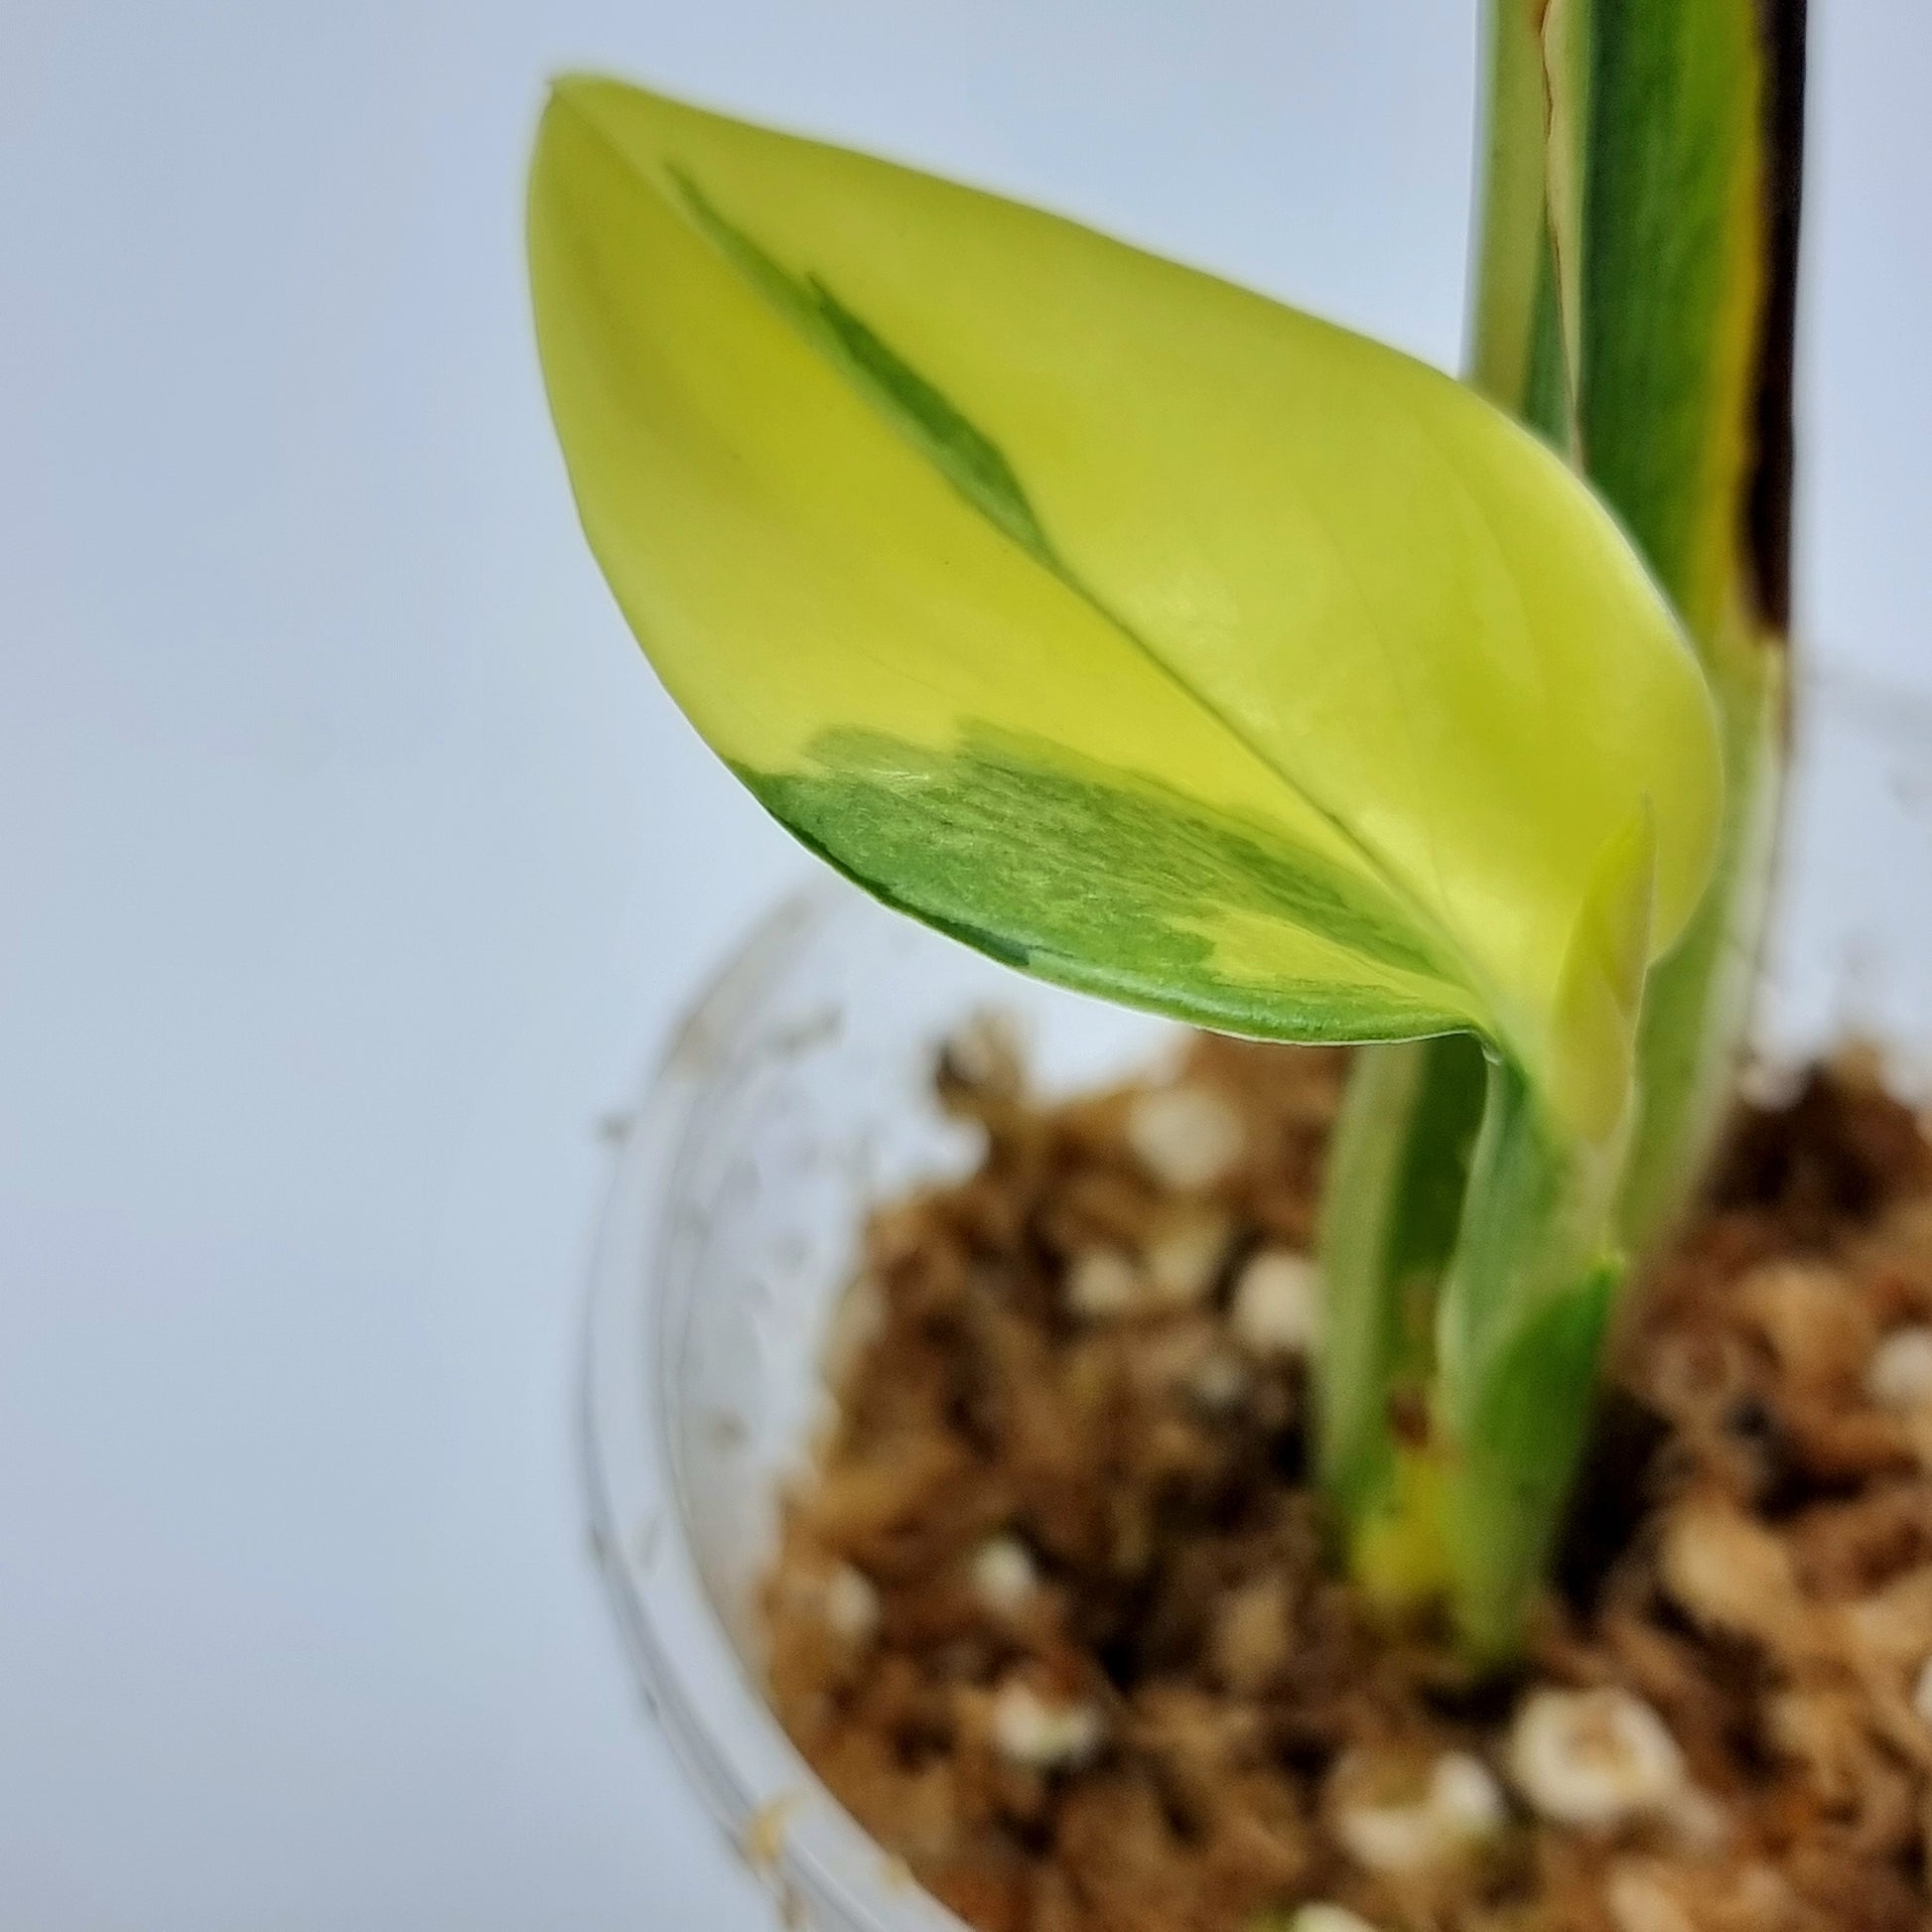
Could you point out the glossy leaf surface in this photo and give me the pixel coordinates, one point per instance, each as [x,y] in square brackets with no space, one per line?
[1141,631]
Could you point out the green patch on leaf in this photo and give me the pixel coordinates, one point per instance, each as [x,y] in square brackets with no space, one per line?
[918,409]
[1109,882]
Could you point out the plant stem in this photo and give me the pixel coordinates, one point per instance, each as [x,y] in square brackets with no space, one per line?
[1698,1008]
[1722,550]
[1399,1167]
[1635,282]
[1513,232]
[1521,1321]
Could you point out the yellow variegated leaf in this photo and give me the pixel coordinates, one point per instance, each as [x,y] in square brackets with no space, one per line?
[1135,627]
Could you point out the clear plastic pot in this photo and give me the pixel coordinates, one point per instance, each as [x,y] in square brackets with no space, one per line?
[796,1095]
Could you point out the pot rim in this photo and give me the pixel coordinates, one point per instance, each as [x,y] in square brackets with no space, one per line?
[777,1815]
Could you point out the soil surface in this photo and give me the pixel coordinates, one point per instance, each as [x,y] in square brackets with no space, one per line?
[1052,1619]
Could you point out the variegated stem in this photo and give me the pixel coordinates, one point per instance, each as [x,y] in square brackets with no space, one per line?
[1524,1310]
[1733,583]
[1639,214]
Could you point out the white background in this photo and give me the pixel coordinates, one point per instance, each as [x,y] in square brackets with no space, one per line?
[352,864]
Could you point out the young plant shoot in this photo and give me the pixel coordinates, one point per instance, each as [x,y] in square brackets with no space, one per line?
[1176,646]
[1634,305]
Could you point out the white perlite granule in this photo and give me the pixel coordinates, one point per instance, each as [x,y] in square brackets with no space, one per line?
[1187,1138]
[1460,1806]
[1593,1760]
[1899,1377]
[1004,1574]
[1277,1307]
[1044,1736]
